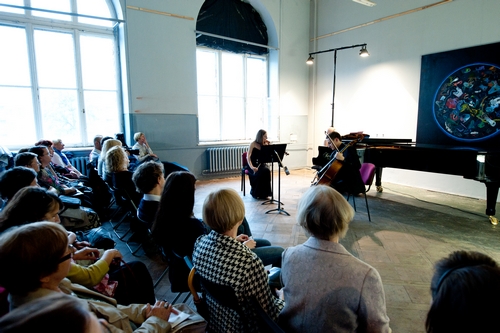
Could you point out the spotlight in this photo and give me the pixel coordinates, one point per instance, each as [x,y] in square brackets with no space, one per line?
[310,60]
[363,52]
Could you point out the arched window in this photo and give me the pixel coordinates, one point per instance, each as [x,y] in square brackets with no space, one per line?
[59,71]
[233,90]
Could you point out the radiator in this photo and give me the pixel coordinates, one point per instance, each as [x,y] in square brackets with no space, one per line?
[225,159]
[80,163]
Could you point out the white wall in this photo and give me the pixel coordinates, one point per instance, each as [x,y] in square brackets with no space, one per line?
[379,94]
[161,66]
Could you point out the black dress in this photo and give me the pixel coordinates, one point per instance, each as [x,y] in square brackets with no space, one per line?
[348,179]
[260,181]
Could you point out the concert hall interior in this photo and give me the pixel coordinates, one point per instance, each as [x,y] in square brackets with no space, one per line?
[425,105]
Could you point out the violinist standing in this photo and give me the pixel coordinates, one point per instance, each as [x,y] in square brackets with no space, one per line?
[259,173]
[347,179]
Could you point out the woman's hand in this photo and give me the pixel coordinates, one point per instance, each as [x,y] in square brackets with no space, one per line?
[160,309]
[242,238]
[86,254]
[81,245]
[111,254]
[250,243]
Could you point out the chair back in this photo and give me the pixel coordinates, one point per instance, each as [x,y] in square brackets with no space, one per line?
[244,161]
[367,172]
[226,296]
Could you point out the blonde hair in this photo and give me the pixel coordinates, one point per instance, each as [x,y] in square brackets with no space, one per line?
[323,212]
[223,209]
[137,136]
[116,160]
[107,145]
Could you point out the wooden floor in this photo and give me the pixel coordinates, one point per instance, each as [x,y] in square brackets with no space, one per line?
[409,231]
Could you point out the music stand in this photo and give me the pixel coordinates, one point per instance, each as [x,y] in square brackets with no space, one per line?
[272,154]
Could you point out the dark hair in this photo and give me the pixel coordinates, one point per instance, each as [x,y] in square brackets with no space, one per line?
[30,253]
[46,143]
[38,150]
[12,180]
[24,159]
[259,138]
[146,176]
[30,204]
[335,135]
[176,203]
[464,287]
[104,139]
[56,313]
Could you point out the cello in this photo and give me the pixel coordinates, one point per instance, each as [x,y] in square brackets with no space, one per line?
[333,166]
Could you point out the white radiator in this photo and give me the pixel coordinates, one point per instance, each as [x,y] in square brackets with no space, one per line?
[225,159]
[80,163]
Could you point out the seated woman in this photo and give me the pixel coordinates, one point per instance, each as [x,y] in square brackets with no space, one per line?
[176,229]
[62,160]
[145,151]
[101,164]
[259,173]
[56,313]
[219,258]
[42,258]
[32,204]
[146,154]
[15,179]
[325,287]
[46,176]
[464,287]
[117,168]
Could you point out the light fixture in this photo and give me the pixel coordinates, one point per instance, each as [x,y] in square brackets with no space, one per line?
[365,2]
[363,52]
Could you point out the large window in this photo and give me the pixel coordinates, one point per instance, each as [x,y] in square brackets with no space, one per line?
[59,74]
[232,95]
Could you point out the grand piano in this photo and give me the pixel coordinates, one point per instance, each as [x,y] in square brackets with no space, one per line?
[471,163]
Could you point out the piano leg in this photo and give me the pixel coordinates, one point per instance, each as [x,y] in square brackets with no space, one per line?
[378,179]
[491,200]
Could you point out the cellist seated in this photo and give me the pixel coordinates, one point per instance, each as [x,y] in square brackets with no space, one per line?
[343,173]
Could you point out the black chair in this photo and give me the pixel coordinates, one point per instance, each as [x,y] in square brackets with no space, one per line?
[225,296]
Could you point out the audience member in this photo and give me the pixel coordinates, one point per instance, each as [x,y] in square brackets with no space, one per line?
[61,159]
[96,151]
[57,313]
[149,181]
[46,176]
[117,169]
[326,288]
[101,164]
[14,179]
[219,258]
[465,288]
[28,160]
[145,151]
[56,168]
[34,204]
[42,258]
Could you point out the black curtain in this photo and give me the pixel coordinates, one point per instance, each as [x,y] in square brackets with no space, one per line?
[235,19]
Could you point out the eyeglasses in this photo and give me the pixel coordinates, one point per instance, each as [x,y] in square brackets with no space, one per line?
[69,255]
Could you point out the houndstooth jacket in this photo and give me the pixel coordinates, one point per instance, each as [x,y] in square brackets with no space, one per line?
[223,260]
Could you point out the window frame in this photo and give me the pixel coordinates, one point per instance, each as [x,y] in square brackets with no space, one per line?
[30,24]
[266,119]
